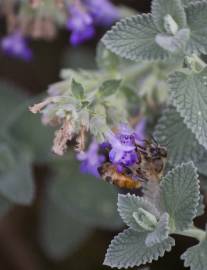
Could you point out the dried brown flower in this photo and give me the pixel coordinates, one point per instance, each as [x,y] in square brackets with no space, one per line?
[80,147]
[62,136]
[36,108]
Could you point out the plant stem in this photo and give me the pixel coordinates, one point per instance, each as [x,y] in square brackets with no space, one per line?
[194,232]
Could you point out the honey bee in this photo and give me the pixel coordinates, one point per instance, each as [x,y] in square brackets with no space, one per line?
[153,160]
[149,167]
[109,173]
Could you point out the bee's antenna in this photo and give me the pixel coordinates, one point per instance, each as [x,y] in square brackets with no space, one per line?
[154,140]
[167,144]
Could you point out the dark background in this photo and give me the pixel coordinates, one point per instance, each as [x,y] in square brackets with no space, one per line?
[19,246]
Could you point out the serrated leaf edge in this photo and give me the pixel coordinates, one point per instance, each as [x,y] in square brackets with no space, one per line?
[196,198]
[145,260]
[182,112]
[125,55]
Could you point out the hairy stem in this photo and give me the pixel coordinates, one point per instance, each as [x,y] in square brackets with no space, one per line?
[194,232]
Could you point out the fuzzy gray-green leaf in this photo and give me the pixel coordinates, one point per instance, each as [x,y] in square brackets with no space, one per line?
[174,43]
[180,195]
[188,93]
[160,233]
[134,38]
[202,165]
[197,21]
[195,257]
[129,204]
[128,249]
[180,141]
[201,206]
[174,8]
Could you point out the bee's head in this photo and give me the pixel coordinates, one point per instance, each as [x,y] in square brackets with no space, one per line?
[158,151]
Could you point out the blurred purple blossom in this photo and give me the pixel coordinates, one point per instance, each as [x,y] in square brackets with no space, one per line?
[103,12]
[91,159]
[15,45]
[80,23]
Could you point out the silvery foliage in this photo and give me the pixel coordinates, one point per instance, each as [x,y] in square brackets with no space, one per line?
[173,30]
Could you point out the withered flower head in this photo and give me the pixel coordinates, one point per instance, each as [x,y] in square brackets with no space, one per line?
[36,108]
[62,136]
[80,147]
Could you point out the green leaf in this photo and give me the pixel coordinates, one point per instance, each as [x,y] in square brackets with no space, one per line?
[180,195]
[188,2]
[188,93]
[174,8]
[11,99]
[128,249]
[160,233]
[109,87]
[134,38]
[174,43]
[202,165]
[5,205]
[60,234]
[151,192]
[29,130]
[84,197]
[195,257]
[197,20]
[140,215]
[77,89]
[98,127]
[15,119]
[16,180]
[129,204]
[181,143]
[201,207]
[107,60]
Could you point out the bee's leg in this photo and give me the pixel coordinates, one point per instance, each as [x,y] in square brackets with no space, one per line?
[139,178]
[143,148]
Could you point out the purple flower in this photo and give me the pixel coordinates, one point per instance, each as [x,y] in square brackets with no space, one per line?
[91,159]
[122,151]
[80,23]
[103,12]
[15,45]
[140,131]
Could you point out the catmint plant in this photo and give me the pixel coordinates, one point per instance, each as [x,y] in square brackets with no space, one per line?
[151,76]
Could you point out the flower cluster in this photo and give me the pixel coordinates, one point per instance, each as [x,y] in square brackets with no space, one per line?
[84,16]
[91,159]
[78,104]
[119,149]
[15,45]
[123,143]
[40,19]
